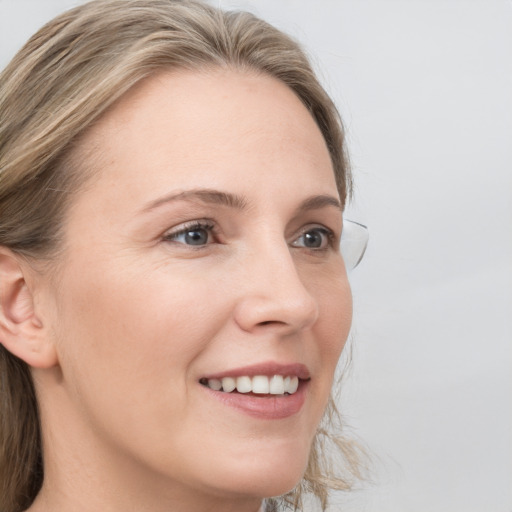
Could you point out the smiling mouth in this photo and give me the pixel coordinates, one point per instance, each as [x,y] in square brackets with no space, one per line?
[277,385]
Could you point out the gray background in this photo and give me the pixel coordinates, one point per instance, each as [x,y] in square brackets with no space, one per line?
[425,90]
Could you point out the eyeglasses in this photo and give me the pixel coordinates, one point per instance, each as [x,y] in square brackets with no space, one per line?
[354,239]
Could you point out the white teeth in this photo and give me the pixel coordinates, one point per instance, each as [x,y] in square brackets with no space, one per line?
[243,384]
[277,385]
[260,384]
[228,384]
[215,384]
[292,385]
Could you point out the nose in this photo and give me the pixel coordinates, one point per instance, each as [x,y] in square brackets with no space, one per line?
[273,295]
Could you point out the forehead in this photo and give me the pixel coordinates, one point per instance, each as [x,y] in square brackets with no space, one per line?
[213,126]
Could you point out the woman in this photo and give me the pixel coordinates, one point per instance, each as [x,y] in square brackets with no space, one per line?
[173,298]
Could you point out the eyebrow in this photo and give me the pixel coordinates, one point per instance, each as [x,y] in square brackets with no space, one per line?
[203,195]
[211,196]
[321,201]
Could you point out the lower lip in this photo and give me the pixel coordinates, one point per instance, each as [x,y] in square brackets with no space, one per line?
[265,407]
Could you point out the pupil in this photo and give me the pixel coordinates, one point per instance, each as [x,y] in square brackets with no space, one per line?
[313,239]
[196,237]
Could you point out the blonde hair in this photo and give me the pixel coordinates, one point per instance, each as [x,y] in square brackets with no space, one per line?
[54,89]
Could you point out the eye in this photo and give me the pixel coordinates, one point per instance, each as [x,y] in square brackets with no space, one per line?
[195,234]
[316,238]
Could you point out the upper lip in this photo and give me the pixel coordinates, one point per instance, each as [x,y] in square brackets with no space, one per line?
[267,368]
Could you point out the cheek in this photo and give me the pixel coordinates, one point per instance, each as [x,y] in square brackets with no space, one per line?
[335,319]
[335,315]
[330,334]
[133,332]
[127,345]
[339,311]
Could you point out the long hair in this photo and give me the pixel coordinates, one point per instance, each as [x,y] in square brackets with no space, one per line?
[55,88]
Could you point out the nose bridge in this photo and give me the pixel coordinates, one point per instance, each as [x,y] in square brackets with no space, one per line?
[274,293]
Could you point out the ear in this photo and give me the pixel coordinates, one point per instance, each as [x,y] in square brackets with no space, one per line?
[22,332]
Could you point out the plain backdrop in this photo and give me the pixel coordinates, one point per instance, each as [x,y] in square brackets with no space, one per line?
[425,90]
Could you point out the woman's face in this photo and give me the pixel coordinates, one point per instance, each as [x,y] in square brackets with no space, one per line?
[204,252]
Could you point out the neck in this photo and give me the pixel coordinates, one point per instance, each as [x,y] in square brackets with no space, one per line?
[51,499]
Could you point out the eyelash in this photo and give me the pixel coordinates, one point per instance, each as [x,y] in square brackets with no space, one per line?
[209,227]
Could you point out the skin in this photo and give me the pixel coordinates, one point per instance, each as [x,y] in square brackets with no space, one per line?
[134,316]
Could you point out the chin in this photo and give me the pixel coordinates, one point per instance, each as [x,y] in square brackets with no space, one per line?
[268,474]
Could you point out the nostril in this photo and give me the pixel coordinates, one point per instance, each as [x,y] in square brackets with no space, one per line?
[271,322]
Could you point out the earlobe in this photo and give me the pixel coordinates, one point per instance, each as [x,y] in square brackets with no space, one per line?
[22,332]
